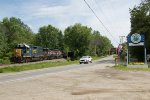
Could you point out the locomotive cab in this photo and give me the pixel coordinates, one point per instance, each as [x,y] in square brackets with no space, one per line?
[21,52]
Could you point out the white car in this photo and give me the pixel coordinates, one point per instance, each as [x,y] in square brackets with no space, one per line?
[85,59]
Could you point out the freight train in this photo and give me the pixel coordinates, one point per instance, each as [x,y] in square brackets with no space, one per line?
[28,53]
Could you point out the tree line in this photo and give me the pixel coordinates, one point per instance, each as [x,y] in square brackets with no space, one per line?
[80,39]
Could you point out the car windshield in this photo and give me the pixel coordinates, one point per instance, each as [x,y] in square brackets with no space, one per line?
[85,57]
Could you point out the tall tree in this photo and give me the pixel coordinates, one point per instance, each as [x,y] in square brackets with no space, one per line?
[140,22]
[16,31]
[99,44]
[95,43]
[77,39]
[12,32]
[50,37]
[3,45]
[106,46]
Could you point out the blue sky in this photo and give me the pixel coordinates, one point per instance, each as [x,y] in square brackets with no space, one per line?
[63,13]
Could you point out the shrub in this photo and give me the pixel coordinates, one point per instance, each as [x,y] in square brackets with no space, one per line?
[5,60]
[68,59]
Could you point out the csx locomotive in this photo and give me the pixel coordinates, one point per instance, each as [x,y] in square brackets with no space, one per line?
[27,53]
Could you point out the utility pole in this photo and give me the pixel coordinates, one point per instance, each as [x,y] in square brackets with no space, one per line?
[120,48]
[121,39]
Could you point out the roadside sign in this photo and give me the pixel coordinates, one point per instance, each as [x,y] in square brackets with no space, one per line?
[135,40]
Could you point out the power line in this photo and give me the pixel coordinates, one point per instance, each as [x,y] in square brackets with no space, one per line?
[100,20]
[107,18]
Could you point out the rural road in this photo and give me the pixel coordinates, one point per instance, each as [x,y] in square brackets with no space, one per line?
[94,81]
[31,74]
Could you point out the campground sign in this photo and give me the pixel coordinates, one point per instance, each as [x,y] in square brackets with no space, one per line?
[135,40]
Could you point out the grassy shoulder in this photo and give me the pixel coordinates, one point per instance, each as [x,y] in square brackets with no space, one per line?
[35,66]
[39,66]
[125,68]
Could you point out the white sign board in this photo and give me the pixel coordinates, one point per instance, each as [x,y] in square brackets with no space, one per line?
[138,44]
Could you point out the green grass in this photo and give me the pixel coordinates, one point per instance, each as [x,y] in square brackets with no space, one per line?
[35,66]
[125,68]
[96,57]
[39,66]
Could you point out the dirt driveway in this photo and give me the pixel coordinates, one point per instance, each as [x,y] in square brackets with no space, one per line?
[97,82]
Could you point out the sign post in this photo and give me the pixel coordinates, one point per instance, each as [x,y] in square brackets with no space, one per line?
[133,41]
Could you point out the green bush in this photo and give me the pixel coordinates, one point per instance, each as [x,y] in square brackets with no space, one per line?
[1,60]
[68,59]
[5,60]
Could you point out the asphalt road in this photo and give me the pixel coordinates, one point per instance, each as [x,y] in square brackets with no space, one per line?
[12,77]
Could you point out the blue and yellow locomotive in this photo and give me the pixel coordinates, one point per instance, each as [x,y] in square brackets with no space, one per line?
[27,53]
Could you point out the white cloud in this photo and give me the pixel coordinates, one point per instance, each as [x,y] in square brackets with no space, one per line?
[48,10]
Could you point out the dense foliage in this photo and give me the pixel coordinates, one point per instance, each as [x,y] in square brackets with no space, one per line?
[83,41]
[99,45]
[49,37]
[140,23]
[12,32]
[79,39]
